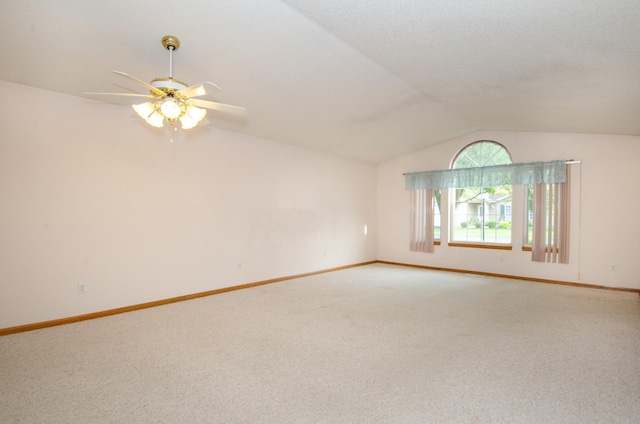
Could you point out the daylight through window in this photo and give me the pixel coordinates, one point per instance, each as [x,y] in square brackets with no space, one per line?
[481,214]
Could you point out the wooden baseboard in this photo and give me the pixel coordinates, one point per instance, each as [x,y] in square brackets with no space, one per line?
[100,314]
[513,277]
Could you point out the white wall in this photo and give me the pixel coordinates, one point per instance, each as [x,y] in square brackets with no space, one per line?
[605,214]
[89,194]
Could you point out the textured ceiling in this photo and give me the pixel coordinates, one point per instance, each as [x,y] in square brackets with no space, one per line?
[366,79]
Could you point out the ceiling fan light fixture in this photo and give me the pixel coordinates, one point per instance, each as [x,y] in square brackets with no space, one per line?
[155,119]
[192,117]
[187,122]
[144,110]
[196,113]
[170,109]
[172,99]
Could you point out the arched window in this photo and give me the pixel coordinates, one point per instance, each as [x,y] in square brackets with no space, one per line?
[481,214]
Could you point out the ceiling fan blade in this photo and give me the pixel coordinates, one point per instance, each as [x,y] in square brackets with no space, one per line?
[215,85]
[121,94]
[156,92]
[196,90]
[219,106]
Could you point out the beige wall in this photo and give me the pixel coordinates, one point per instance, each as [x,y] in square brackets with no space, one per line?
[605,215]
[91,195]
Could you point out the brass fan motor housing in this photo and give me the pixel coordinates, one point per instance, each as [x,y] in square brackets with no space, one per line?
[170,86]
[169,41]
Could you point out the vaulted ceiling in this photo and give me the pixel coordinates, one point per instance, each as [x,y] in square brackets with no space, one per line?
[366,79]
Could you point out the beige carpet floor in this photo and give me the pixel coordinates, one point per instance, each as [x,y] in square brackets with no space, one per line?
[372,344]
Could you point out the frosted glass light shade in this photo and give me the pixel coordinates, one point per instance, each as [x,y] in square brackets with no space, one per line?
[170,109]
[196,113]
[187,122]
[155,120]
[155,113]
[144,109]
[192,117]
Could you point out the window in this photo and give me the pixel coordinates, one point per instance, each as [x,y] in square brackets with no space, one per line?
[481,214]
[437,197]
[548,221]
[550,193]
[479,209]
[528,236]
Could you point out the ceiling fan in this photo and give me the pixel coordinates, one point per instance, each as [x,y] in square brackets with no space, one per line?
[173,100]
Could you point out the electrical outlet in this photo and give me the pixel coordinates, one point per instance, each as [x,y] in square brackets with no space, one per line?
[82,288]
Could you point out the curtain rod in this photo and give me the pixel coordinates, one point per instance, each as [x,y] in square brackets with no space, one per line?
[569,162]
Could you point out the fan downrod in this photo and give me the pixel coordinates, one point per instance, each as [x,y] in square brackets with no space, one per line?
[170,42]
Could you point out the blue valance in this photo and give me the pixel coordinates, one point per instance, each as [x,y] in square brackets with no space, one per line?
[489,176]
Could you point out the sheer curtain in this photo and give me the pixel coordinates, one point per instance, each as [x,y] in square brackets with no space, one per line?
[421,237]
[551,222]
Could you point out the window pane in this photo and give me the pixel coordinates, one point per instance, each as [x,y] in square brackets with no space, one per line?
[482,153]
[436,214]
[529,229]
[482,215]
[549,215]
